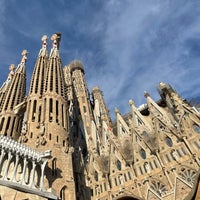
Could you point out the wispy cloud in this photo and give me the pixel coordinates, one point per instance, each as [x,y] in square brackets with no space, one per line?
[147,42]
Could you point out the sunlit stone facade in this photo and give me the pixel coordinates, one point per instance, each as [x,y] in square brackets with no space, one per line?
[59,142]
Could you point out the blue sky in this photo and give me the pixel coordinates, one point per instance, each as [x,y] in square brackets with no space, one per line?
[127,46]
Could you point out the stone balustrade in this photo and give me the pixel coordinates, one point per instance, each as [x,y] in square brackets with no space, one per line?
[23,168]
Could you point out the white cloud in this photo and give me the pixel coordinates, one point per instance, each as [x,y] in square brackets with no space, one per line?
[144,44]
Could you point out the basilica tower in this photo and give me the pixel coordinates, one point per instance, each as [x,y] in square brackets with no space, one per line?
[12,94]
[47,122]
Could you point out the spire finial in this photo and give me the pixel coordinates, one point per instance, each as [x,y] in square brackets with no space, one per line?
[146,94]
[116,110]
[24,54]
[131,102]
[54,39]
[11,74]
[44,41]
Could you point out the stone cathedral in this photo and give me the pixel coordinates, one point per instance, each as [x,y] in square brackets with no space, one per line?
[57,141]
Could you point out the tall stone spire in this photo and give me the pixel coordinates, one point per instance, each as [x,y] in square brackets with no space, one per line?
[55,88]
[34,101]
[6,85]
[47,125]
[100,106]
[11,122]
[37,81]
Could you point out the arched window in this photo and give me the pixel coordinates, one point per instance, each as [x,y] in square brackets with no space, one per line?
[144,133]
[54,168]
[96,176]
[143,153]
[2,122]
[119,166]
[34,110]
[169,141]
[39,114]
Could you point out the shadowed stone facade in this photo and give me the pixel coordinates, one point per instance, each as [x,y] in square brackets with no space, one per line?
[59,142]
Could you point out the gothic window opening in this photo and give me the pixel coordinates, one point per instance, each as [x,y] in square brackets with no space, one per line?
[7,125]
[62,116]
[178,152]
[155,163]
[119,165]
[50,109]
[125,178]
[2,122]
[56,73]
[84,109]
[42,79]
[96,176]
[183,150]
[196,145]
[141,172]
[39,114]
[169,141]
[115,181]
[167,157]
[105,187]
[101,189]
[57,111]
[54,168]
[45,103]
[51,77]
[143,153]
[150,164]
[13,125]
[144,134]
[34,110]
[129,175]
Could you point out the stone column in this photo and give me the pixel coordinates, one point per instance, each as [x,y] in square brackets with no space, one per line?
[8,164]
[15,169]
[42,175]
[1,158]
[32,175]
[23,172]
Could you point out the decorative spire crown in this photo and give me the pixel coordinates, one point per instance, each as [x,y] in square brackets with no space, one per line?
[44,41]
[11,74]
[56,40]
[55,44]
[24,56]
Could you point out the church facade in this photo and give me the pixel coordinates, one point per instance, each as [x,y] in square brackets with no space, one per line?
[58,142]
